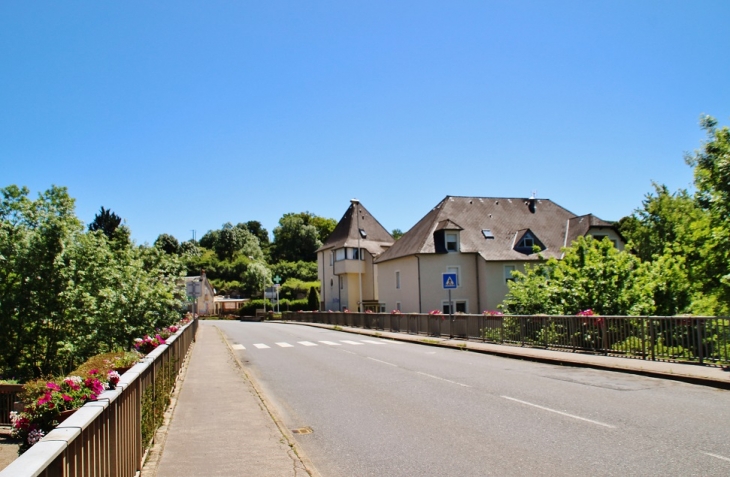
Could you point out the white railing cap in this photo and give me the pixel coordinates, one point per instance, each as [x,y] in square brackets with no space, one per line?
[35,460]
[84,416]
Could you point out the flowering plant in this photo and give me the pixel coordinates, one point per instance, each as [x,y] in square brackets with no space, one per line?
[44,413]
[590,317]
[368,311]
[147,344]
[492,313]
[395,312]
[435,312]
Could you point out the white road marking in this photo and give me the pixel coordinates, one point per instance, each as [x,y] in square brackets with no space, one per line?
[372,342]
[561,413]
[442,379]
[384,362]
[717,456]
[285,345]
[237,346]
[261,346]
[307,343]
[331,343]
[351,342]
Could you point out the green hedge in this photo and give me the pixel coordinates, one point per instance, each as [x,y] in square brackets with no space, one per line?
[250,307]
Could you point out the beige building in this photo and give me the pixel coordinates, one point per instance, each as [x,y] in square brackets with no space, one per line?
[206,302]
[481,240]
[346,268]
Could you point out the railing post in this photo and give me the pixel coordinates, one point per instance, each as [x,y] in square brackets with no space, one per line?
[643,338]
[699,340]
[652,336]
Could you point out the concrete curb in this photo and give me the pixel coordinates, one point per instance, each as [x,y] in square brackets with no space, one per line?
[678,372]
[303,459]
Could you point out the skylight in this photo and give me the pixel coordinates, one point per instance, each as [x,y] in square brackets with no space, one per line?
[363,234]
[487,233]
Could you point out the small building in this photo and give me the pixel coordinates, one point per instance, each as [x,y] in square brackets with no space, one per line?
[206,301]
[225,305]
[345,262]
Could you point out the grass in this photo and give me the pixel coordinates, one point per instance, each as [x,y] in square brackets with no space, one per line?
[429,341]
[337,328]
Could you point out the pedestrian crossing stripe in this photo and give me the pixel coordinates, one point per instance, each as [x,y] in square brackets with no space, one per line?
[307,343]
[238,346]
[351,342]
[285,345]
[372,342]
[331,343]
[261,346]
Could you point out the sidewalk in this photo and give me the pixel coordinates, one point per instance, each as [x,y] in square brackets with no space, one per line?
[690,373]
[220,424]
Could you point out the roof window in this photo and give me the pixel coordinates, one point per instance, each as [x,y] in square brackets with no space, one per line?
[363,234]
[487,234]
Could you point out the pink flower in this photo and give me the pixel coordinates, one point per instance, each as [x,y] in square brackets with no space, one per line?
[66,397]
[53,386]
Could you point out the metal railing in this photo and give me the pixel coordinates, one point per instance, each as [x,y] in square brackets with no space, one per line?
[702,340]
[105,437]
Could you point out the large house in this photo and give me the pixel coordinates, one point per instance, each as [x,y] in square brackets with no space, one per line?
[346,269]
[481,240]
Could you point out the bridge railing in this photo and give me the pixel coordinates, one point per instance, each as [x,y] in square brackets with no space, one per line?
[108,437]
[697,339]
[8,396]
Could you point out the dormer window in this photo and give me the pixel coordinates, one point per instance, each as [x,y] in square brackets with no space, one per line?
[527,241]
[452,242]
[363,234]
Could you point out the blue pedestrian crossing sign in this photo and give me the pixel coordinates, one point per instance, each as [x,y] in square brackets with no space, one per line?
[449,280]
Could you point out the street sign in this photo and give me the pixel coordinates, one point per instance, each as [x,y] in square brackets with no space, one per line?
[449,281]
[194,289]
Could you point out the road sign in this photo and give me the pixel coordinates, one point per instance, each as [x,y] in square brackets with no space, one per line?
[194,289]
[449,281]
[277,279]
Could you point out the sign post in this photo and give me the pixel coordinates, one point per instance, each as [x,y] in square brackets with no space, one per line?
[449,283]
[277,279]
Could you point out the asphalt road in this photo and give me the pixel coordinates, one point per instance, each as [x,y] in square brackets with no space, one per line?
[383,408]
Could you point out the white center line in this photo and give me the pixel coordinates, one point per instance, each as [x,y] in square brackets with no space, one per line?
[331,343]
[372,342]
[351,342]
[384,362]
[442,379]
[285,345]
[261,346]
[238,346]
[559,412]
[717,456]
[307,343]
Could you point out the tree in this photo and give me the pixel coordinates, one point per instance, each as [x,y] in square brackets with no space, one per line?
[106,221]
[592,275]
[712,179]
[168,244]
[305,271]
[397,233]
[295,239]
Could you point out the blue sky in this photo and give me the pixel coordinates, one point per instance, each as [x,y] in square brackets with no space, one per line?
[181,116]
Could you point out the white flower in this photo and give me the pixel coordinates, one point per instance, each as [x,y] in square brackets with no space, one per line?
[13,417]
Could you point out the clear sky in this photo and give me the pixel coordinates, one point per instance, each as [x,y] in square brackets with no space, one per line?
[182,116]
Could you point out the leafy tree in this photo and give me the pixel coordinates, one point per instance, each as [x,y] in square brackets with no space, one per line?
[712,180]
[305,271]
[106,221]
[295,239]
[593,274]
[397,233]
[66,295]
[168,244]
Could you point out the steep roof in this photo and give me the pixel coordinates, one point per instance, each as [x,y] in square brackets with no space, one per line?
[346,233]
[504,220]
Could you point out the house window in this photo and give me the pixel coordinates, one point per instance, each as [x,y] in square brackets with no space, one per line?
[527,241]
[332,282]
[397,280]
[601,237]
[397,305]
[460,306]
[508,271]
[332,258]
[339,254]
[363,234]
[455,270]
[353,254]
[342,283]
[452,242]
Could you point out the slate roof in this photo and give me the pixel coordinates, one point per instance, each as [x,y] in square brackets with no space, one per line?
[346,234]
[508,219]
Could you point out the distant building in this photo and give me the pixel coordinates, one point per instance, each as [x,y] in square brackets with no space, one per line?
[343,267]
[206,302]
[483,241]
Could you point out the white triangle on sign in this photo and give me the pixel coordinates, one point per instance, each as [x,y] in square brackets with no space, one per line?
[449,282]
